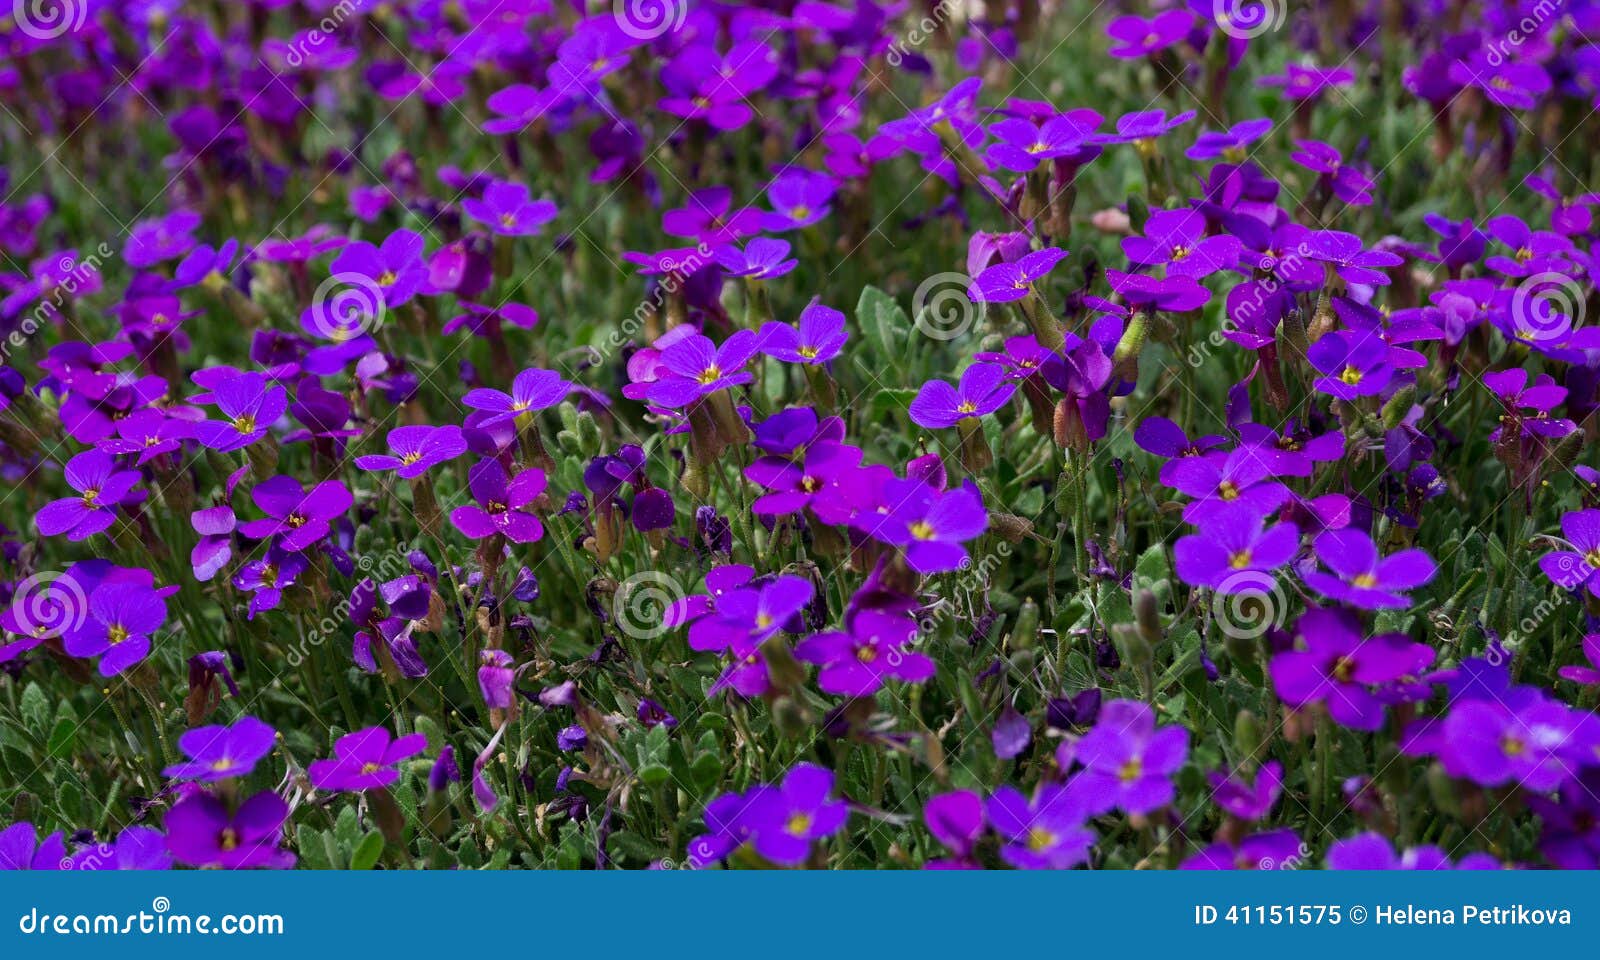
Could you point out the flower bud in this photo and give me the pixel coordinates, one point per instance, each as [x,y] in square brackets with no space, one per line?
[1247,735]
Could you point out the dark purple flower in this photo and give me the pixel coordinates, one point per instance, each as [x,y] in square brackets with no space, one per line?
[202,832]
[1338,665]
[251,404]
[296,516]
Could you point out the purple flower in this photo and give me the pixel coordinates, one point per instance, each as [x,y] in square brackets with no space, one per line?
[573,737]
[799,198]
[1128,761]
[20,849]
[697,367]
[857,662]
[817,338]
[1047,834]
[1536,745]
[1345,182]
[1360,578]
[507,210]
[211,553]
[533,390]
[1005,282]
[495,676]
[1275,850]
[1590,675]
[147,433]
[202,832]
[1176,239]
[136,848]
[1242,799]
[983,390]
[1235,552]
[794,485]
[396,268]
[101,487]
[956,820]
[219,753]
[763,258]
[1212,144]
[1239,481]
[161,238]
[1354,364]
[1372,851]
[1141,128]
[502,502]
[930,525]
[1580,566]
[1136,37]
[365,760]
[1021,146]
[783,821]
[122,615]
[251,404]
[266,578]
[414,451]
[1308,81]
[1338,666]
[745,617]
[296,516]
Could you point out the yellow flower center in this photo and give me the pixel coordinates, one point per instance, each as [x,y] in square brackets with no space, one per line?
[370,768]
[867,654]
[967,406]
[1365,581]
[1040,839]
[1240,560]
[116,634]
[1350,375]
[411,458]
[809,352]
[1227,490]
[387,278]
[799,824]
[228,839]
[922,530]
[1343,669]
[710,375]
[245,424]
[91,497]
[1130,771]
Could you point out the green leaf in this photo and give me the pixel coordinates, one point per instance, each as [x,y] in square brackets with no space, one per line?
[367,853]
[35,709]
[882,320]
[62,738]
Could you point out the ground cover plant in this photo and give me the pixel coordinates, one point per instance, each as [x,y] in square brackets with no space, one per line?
[536,434]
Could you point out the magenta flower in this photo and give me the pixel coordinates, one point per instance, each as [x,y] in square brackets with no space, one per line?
[1586,675]
[365,760]
[414,451]
[1128,761]
[101,488]
[1337,665]
[1360,578]
[502,503]
[1136,37]
[983,389]
[746,616]
[1534,744]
